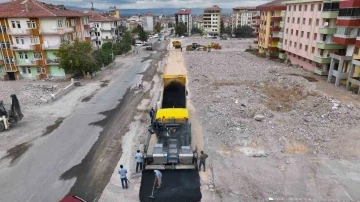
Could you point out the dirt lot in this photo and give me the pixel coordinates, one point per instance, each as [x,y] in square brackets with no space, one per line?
[272,131]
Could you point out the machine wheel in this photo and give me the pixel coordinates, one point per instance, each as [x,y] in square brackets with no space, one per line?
[2,126]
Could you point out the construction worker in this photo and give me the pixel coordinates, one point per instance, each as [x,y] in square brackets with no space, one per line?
[2,109]
[203,157]
[139,160]
[123,178]
[152,115]
[158,176]
[15,106]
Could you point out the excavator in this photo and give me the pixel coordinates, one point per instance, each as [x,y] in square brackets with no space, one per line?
[13,116]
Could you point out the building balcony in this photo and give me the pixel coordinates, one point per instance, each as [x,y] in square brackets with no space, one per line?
[256,17]
[56,31]
[348,21]
[106,38]
[26,62]
[255,42]
[273,48]
[349,4]
[1,62]
[86,27]
[20,31]
[274,38]
[275,29]
[357,44]
[256,33]
[327,30]
[87,38]
[23,47]
[339,57]
[280,45]
[329,14]
[281,35]
[344,39]
[276,18]
[322,60]
[283,13]
[50,47]
[282,24]
[93,37]
[256,25]
[282,56]
[329,46]
[52,61]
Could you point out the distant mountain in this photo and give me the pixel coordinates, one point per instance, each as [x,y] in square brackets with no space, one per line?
[154,11]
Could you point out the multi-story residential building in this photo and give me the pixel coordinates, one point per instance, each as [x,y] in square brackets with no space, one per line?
[308,34]
[148,22]
[269,29]
[31,33]
[212,20]
[242,16]
[343,64]
[184,16]
[103,27]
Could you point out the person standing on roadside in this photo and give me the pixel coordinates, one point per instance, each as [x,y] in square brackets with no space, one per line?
[152,115]
[139,160]
[203,157]
[123,178]
[158,176]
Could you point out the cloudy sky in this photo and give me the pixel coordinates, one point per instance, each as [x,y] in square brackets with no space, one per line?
[126,4]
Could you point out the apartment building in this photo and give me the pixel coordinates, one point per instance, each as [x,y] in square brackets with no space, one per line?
[31,32]
[148,22]
[344,63]
[268,29]
[212,20]
[243,16]
[308,34]
[184,16]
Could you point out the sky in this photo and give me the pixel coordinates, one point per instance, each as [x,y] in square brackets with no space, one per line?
[139,4]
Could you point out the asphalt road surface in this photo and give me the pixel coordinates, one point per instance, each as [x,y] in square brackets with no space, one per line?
[80,156]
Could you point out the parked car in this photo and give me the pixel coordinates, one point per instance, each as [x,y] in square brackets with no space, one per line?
[72,198]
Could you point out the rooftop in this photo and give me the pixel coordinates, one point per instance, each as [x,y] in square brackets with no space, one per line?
[184,12]
[244,8]
[37,9]
[100,17]
[213,8]
[273,5]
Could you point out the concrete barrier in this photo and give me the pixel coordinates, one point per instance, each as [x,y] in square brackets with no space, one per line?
[63,91]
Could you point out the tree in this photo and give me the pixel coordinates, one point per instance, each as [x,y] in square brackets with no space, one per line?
[170,24]
[196,30]
[157,27]
[143,36]
[244,32]
[180,29]
[228,30]
[222,27]
[122,29]
[76,57]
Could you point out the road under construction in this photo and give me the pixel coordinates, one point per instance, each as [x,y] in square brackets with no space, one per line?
[170,146]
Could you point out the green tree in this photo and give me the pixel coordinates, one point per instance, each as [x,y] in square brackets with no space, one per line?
[196,30]
[180,29]
[122,29]
[76,57]
[222,27]
[228,30]
[243,32]
[157,28]
[127,38]
[170,24]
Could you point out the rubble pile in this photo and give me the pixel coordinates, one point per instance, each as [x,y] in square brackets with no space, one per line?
[241,95]
[233,44]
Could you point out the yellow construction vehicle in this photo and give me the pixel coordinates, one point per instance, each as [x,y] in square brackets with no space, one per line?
[176,44]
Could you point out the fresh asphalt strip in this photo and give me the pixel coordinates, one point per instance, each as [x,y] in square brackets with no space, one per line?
[177,186]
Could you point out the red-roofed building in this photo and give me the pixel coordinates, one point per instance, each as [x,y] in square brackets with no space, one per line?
[184,16]
[30,34]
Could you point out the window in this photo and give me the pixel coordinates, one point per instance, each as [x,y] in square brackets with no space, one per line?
[312,7]
[3,45]
[306,47]
[288,19]
[43,70]
[13,24]
[21,56]
[299,7]
[39,55]
[290,43]
[285,41]
[300,46]
[302,33]
[33,24]
[298,20]
[34,55]
[312,49]
[295,44]
[28,24]
[7,44]
[17,40]
[315,36]
[3,30]
[317,22]
[287,30]
[293,21]
[60,24]
[29,70]
[97,25]
[331,6]
[297,32]
[23,70]
[18,24]
[291,32]
[304,19]
[356,51]
[72,22]
[74,35]
[305,8]
[294,7]
[319,7]
[308,35]
[310,20]
[289,8]
[38,70]
[66,23]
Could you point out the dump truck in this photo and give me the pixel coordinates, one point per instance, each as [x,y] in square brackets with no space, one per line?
[169,143]
[176,44]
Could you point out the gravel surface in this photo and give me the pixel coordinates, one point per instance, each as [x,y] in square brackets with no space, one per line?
[258,117]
